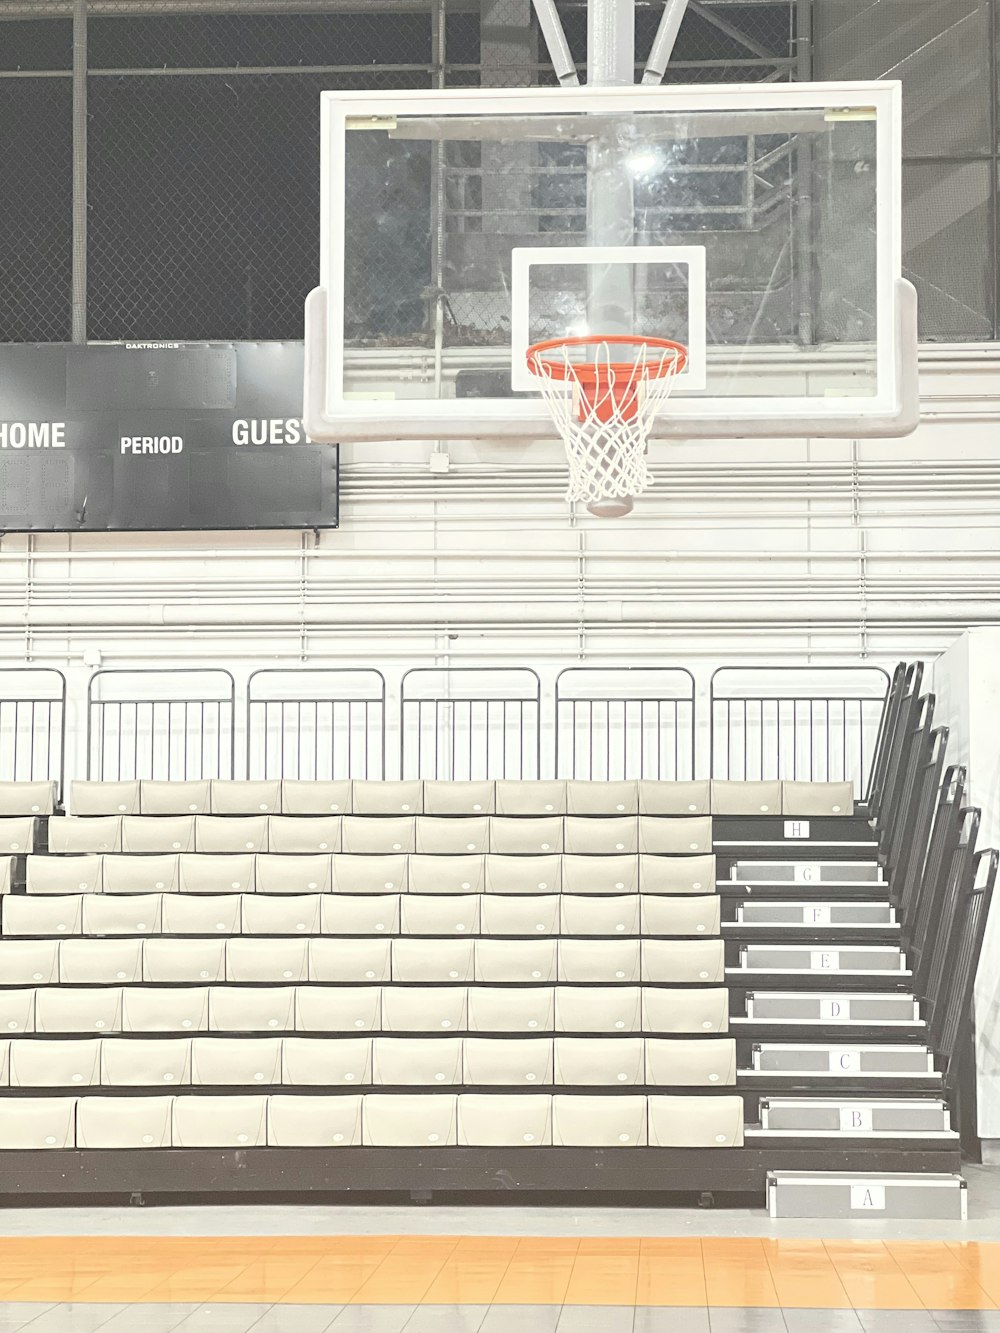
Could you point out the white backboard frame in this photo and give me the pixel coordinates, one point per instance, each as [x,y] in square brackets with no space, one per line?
[893,410]
[692,257]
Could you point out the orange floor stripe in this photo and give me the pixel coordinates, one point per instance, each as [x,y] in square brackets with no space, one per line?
[505,1270]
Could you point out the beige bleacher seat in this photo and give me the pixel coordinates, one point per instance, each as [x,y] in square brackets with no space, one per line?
[665,836]
[600,874]
[598,1122]
[170,1009]
[305,833]
[350,960]
[459,798]
[245,798]
[677,874]
[369,874]
[25,915]
[252,959]
[327,1061]
[415,1120]
[530,798]
[807,799]
[514,1062]
[200,914]
[55,1064]
[671,1010]
[690,1062]
[156,833]
[681,916]
[368,836]
[37,1122]
[387,798]
[219,1122]
[537,915]
[602,798]
[674,798]
[251,1009]
[520,836]
[90,961]
[137,1063]
[360,914]
[599,1061]
[668,962]
[245,1061]
[26,962]
[446,874]
[22,800]
[313,1122]
[17,834]
[533,961]
[231,833]
[583,914]
[6,873]
[599,960]
[423,1061]
[124,914]
[141,874]
[437,835]
[64,1009]
[424,1008]
[85,833]
[196,962]
[615,836]
[174,798]
[493,1120]
[498,1009]
[591,1009]
[315,798]
[283,914]
[17,1011]
[450,914]
[124,1122]
[432,960]
[201,872]
[104,798]
[523,874]
[746,798]
[695,1122]
[64,874]
[294,873]
[338,1008]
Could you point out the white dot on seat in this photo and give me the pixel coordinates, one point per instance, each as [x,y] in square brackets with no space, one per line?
[338,1138]
[543,886]
[348,1078]
[190,807]
[258,1077]
[692,807]
[14,846]
[454,975]
[168,1078]
[703,976]
[388,884]
[446,1022]
[100,1023]
[175,845]
[620,884]
[121,807]
[324,846]
[694,846]
[300,925]
[619,807]
[619,975]
[248,846]
[287,973]
[147,1138]
[532,1023]
[140,925]
[619,846]
[369,974]
[470,846]
[531,1077]
[836,809]
[622,1078]
[158,884]
[235,884]
[620,926]
[720,1138]
[220,925]
[395,846]
[61,926]
[540,925]
[12,1026]
[433,1138]
[242,1138]
[713,1078]
[459,926]
[536,974]
[548,807]
[439,1078]
[76,1078]
[203,973]
[272,1022]
[707,1027]
[696,884]
[380,925]
[83,886]
[335,806]
[479,807]
[359,1022]
[50,1138]
[765,808]
[624,1138]
[404,807]
[311,884]
[619,1023]
[185,1022]
[37,976]
[699,929]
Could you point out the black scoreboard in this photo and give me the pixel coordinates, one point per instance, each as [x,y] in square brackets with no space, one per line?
[148,436]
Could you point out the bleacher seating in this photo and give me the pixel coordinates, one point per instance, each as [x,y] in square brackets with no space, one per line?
[474,965]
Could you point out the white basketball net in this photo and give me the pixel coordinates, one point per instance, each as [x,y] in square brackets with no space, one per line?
[605,419]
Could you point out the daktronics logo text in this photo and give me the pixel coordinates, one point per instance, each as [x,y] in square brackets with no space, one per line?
[152,347]
[32,435]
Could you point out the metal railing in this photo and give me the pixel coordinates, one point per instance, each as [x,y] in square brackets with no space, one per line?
[161,723]
[467,723]
[316,724]
[615,723]
[770,723]
[32,725]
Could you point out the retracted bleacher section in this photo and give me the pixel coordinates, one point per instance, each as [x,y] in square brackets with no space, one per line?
[655,986]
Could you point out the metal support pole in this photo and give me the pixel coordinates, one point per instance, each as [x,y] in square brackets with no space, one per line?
[556,43]
[803,217]
[664,41]
[610,205]
[79,275]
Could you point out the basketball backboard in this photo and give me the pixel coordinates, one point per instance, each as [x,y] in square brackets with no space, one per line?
[758,224]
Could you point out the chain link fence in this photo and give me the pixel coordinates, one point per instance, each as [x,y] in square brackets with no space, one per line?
[202,159]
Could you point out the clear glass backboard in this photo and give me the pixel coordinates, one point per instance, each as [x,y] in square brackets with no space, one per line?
[759,225]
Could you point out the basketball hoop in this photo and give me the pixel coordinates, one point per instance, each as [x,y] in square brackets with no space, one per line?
[604,409]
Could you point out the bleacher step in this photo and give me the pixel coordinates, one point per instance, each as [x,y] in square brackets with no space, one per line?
[812,915]
[818,1008]
[855,1115]
[837,1194]
[838,1058]
[805,871]
[800,958]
